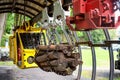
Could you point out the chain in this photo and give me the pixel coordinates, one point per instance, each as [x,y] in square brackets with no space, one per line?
[52,40]
[71,37]
[72,40]
[52,36]
[41,38]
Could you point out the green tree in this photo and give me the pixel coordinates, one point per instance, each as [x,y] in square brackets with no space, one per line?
[8,27]
[9,23]
[97,35]
[5,38]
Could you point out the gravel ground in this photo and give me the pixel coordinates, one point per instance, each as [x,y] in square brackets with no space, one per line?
[14,73]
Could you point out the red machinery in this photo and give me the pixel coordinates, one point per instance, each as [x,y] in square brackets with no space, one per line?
[93,14]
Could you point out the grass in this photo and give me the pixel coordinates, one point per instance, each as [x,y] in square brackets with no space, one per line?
[102,57]
[102,60]
[6,63]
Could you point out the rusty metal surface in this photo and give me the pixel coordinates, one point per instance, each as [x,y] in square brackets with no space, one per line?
[57,58]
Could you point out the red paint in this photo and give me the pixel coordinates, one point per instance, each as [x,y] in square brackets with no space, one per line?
[92,14]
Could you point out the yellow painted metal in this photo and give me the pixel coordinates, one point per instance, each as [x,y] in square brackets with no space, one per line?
[13,49]
[16,42]
[26,53]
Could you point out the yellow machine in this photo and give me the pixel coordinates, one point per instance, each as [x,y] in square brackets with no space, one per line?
[23,45]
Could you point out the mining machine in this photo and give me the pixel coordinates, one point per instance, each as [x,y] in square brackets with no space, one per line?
[63,55]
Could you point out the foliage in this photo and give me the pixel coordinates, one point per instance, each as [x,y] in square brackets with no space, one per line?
[79,33]
[113,34]
[59,30]
[5,38]
[97,36]
[9,26]
[9,23]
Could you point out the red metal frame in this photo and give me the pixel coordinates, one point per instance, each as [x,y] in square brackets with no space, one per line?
[93,14]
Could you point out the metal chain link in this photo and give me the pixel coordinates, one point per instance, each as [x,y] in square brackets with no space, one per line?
[52,35]
[72,37]
[52,40]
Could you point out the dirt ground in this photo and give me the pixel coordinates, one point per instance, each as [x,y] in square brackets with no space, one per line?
[14,73]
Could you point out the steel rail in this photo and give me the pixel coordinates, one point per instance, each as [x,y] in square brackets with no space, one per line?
[93,57]
[111,56]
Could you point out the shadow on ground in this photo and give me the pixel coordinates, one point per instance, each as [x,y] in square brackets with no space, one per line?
[6,73]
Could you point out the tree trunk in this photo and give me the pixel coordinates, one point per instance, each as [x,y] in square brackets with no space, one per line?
[2,24]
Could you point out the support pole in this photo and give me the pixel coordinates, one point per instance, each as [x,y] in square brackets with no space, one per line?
[93,57]
[80,52]
[111,56]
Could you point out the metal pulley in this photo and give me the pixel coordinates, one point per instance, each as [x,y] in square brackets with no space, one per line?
[57,58]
